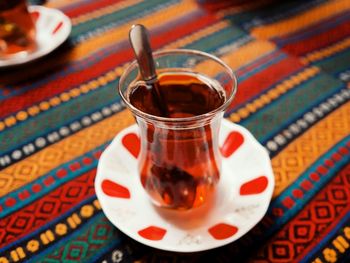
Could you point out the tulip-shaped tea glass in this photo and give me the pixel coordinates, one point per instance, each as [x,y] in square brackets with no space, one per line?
[179,162]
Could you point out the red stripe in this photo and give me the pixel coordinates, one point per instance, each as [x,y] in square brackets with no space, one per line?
[59,25]
[62,84]
[55,203]
[265,78]
[319,41]
[89,7]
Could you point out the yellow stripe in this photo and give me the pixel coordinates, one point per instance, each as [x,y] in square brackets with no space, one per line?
[326,52]
[42,162]
[293,160]
[302,20]
[104,11]
[273,93]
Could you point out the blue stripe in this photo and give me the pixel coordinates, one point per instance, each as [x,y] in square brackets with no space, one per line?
[326,239]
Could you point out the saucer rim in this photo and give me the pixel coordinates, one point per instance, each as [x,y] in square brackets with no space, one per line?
[209,245]
[38,53]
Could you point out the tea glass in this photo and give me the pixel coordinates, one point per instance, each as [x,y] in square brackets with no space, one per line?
[179,162]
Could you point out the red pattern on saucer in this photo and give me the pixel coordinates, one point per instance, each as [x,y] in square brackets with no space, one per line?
[233,141]
[153,233]
[131,142]
[255,186]
[114,189]
[222,231]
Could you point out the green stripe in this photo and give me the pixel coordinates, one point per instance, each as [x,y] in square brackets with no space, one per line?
[290,106]
[58,116]
[120,16]
[335,64]
[219,38]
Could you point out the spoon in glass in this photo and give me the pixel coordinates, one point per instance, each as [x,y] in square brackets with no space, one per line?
[138,37]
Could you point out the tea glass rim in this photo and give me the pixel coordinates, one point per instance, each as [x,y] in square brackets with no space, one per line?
[195,118]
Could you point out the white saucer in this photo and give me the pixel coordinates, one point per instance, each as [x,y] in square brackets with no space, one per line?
[52,29]
[242,196]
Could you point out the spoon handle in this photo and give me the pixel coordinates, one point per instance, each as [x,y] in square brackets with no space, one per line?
[138,37]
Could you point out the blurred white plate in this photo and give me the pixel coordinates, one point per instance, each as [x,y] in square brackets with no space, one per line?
[242,197]
[52,29]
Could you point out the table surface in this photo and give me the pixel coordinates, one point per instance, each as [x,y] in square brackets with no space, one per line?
[57,115]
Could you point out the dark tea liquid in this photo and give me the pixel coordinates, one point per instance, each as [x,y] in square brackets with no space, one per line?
[179,168]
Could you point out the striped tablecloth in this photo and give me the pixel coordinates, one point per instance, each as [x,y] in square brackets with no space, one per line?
[57,115]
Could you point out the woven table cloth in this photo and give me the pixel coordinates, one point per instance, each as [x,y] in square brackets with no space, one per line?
[57,115]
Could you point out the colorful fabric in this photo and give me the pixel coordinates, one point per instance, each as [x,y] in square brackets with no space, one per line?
[57,115]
